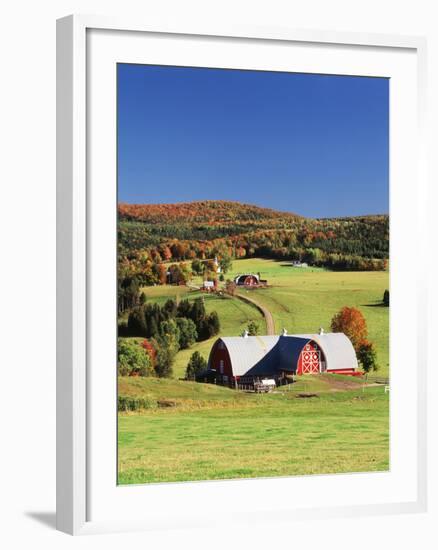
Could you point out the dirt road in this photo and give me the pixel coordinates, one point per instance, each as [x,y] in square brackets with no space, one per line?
[270,325]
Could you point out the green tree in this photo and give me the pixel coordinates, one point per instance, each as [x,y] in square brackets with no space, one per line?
[136,322]
[367,357]
[164,361]
[184,309]
[213,321]
[197,312]
[167,346]
[253,328]
[225,263]
[195,365]
[187,332]
[132,359]
[169,333]
[209,326]
[197,267]
[170,308]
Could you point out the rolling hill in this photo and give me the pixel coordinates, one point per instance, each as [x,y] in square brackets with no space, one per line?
[204,229]
[204,212]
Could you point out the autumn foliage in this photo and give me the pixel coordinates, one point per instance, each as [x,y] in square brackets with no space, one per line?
[182,234]
[352,323]
[150,350]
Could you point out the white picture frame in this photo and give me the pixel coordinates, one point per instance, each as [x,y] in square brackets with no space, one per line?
[76,214]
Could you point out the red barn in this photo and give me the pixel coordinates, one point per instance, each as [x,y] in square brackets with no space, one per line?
[247,279]
[246,358]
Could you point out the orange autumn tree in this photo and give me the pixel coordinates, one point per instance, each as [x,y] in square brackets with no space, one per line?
[351,322]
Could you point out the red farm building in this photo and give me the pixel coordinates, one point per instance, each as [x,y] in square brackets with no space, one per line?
[245,359]
[250,280]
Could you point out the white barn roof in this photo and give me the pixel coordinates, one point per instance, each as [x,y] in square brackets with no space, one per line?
[246,352]
[264,354]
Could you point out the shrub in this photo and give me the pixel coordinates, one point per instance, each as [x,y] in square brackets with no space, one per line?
[253,328]
[132,359]
[126,404]
[150,350]
[230,287]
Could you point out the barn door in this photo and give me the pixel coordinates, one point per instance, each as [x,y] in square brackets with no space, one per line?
[310,360]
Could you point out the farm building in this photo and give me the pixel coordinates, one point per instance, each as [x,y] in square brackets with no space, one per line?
[245,359]
[249,280]
[209,286]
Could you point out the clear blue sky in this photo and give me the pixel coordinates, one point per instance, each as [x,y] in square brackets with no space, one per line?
[315,145]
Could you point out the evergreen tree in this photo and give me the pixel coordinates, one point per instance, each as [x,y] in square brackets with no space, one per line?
[197,312]
[184,309]
[170,308]
[136,322]
[367,357]
[187,332]
[164,361]
[214,323]
[195,365]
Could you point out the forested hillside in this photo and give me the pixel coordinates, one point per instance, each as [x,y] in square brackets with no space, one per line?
[152,234]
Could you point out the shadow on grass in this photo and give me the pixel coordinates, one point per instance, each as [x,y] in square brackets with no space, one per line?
[378,304]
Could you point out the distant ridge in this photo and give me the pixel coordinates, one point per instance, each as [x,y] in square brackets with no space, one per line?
[209,211]
[151,233]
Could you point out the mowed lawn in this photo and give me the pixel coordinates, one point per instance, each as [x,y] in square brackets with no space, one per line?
[302,300]
[256,436]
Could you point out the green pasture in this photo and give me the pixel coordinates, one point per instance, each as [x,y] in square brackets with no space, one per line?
[195,431]
[304,299]
[218,433]
[300,299]
[234,316]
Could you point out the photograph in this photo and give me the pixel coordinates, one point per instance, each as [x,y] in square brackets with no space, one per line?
[253,274]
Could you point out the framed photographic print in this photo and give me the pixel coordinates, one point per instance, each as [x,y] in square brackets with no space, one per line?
[240,328]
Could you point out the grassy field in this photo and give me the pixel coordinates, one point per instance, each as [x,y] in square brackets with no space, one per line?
[302,300]
[194,431]
[218,433]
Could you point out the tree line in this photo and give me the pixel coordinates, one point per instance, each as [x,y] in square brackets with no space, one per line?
[166,329]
